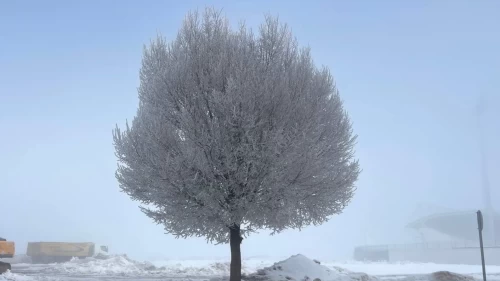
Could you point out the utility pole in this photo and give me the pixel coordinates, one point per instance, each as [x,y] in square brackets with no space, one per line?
[480,229]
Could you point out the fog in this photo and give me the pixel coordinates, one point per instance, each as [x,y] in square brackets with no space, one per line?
[410,74]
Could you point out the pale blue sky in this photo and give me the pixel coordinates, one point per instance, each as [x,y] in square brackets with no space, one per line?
[410,73]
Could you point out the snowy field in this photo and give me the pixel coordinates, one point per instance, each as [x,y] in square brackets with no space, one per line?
[295,268]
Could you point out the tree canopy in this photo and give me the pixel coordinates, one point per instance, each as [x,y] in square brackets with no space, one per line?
[236,129]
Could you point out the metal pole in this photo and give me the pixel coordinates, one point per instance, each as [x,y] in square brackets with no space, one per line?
[480,228]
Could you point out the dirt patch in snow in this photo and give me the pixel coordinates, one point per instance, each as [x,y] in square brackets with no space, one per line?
[442,276]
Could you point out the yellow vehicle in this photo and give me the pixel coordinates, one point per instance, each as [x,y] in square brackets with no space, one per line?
[48,252]
[7,250]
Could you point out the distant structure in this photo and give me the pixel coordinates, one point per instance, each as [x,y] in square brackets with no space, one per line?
[456,227]
[448,236]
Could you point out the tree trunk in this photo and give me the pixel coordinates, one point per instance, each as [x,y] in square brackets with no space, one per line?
[235,242]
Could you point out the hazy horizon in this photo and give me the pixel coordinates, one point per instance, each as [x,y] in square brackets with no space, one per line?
[410,74]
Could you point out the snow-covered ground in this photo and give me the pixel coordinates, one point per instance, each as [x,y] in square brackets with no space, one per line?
[220,266]
[371,268]
[295,268]
[383,268]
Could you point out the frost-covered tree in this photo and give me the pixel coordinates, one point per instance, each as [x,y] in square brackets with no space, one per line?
[235,132]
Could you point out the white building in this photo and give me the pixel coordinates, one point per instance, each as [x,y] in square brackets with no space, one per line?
[450,237]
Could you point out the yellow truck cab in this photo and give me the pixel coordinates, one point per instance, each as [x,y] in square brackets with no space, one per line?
[7,250]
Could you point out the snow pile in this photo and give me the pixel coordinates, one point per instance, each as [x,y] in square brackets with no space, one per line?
[212,269]
[113,265]
[300,268]
[9,276]
[208,267]
[121,265]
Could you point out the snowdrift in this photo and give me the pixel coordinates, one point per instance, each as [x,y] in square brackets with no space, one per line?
[8,276]
[121,265]
[300,268]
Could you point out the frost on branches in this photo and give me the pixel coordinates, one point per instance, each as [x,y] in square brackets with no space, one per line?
[235,130]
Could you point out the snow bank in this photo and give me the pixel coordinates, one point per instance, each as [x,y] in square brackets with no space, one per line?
[9,276]
[300,268]
[113,265]
[188,270]
[121,265]
[211,267]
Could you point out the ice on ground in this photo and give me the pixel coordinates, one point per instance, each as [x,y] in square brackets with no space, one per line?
[301,268]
